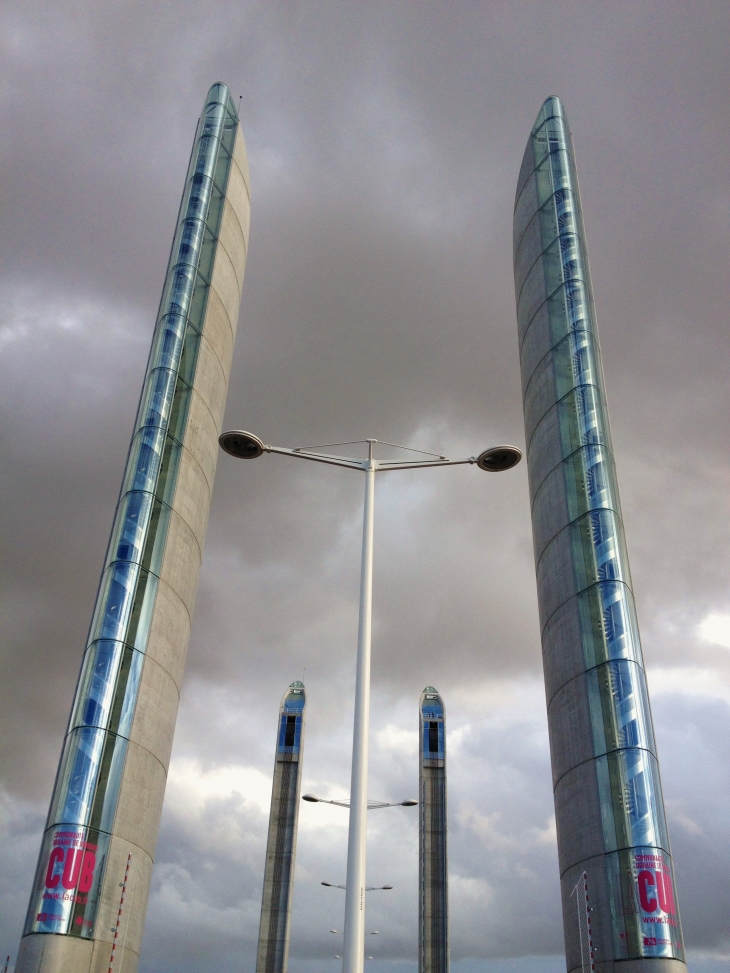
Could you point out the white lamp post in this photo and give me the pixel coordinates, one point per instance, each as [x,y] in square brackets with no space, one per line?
[244,445]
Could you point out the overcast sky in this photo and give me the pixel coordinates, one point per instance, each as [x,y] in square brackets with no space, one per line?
[384,141]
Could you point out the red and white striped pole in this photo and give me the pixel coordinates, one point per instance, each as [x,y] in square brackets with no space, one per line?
[119,914]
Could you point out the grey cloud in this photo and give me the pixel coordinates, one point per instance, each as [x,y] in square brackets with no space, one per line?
[384,141]
[501,841]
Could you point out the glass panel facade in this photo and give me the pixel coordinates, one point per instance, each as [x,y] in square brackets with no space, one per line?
[83,806]
[433,741]
[68,880]
[433,857]
[587,609]
[645,916]
[291,721]
[276,901]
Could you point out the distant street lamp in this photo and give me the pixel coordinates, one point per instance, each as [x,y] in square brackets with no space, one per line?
[245,445]
[372,805]
[368,888]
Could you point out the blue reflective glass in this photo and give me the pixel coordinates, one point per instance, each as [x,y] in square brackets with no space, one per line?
[290,733]
[587,551]
[198,191]
[188,240]
[619,707]
[93,760]
[433,739]
[145,457]
[79,765]
[168,340]
[179,288]
[595,464]
[95,693]
[131,688]
[604,618]
[130,530]
[577,304]
[584,481]
[628,694]
[619,622]
[208,146]
[642,900]
[215,113]
[580,349]
[631,800]
[107,691]
[583,574]
[115,601]
[587,413]
[157,397]
[109,781]
[553,174]
[55,908]
[569,365]
[606,544]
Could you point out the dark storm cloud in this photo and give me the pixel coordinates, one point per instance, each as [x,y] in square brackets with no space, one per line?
[384,142]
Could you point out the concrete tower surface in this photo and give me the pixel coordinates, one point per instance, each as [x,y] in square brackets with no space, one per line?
[276,902]
[89,897]
[433,905]
[619,906]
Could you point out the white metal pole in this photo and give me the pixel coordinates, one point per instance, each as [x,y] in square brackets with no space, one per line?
[354,944]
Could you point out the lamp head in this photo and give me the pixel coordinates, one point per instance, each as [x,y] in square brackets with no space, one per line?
[499,458]
[408,803]
[311,798]
[241,444]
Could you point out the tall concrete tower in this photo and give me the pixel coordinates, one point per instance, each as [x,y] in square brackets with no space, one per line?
[433,905]
[612,835]
[99,842]
[276,902]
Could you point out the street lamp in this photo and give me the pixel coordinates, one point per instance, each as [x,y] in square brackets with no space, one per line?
[368,888]
[245,445]
[372,805]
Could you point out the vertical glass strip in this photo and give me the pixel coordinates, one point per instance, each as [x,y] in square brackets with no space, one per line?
[584,584]
[276,901]
[433,859]
[81,816]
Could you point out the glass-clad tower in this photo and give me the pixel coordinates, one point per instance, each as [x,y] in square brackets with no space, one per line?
[105,809]
[433,903]
[612,831]
[276,902]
